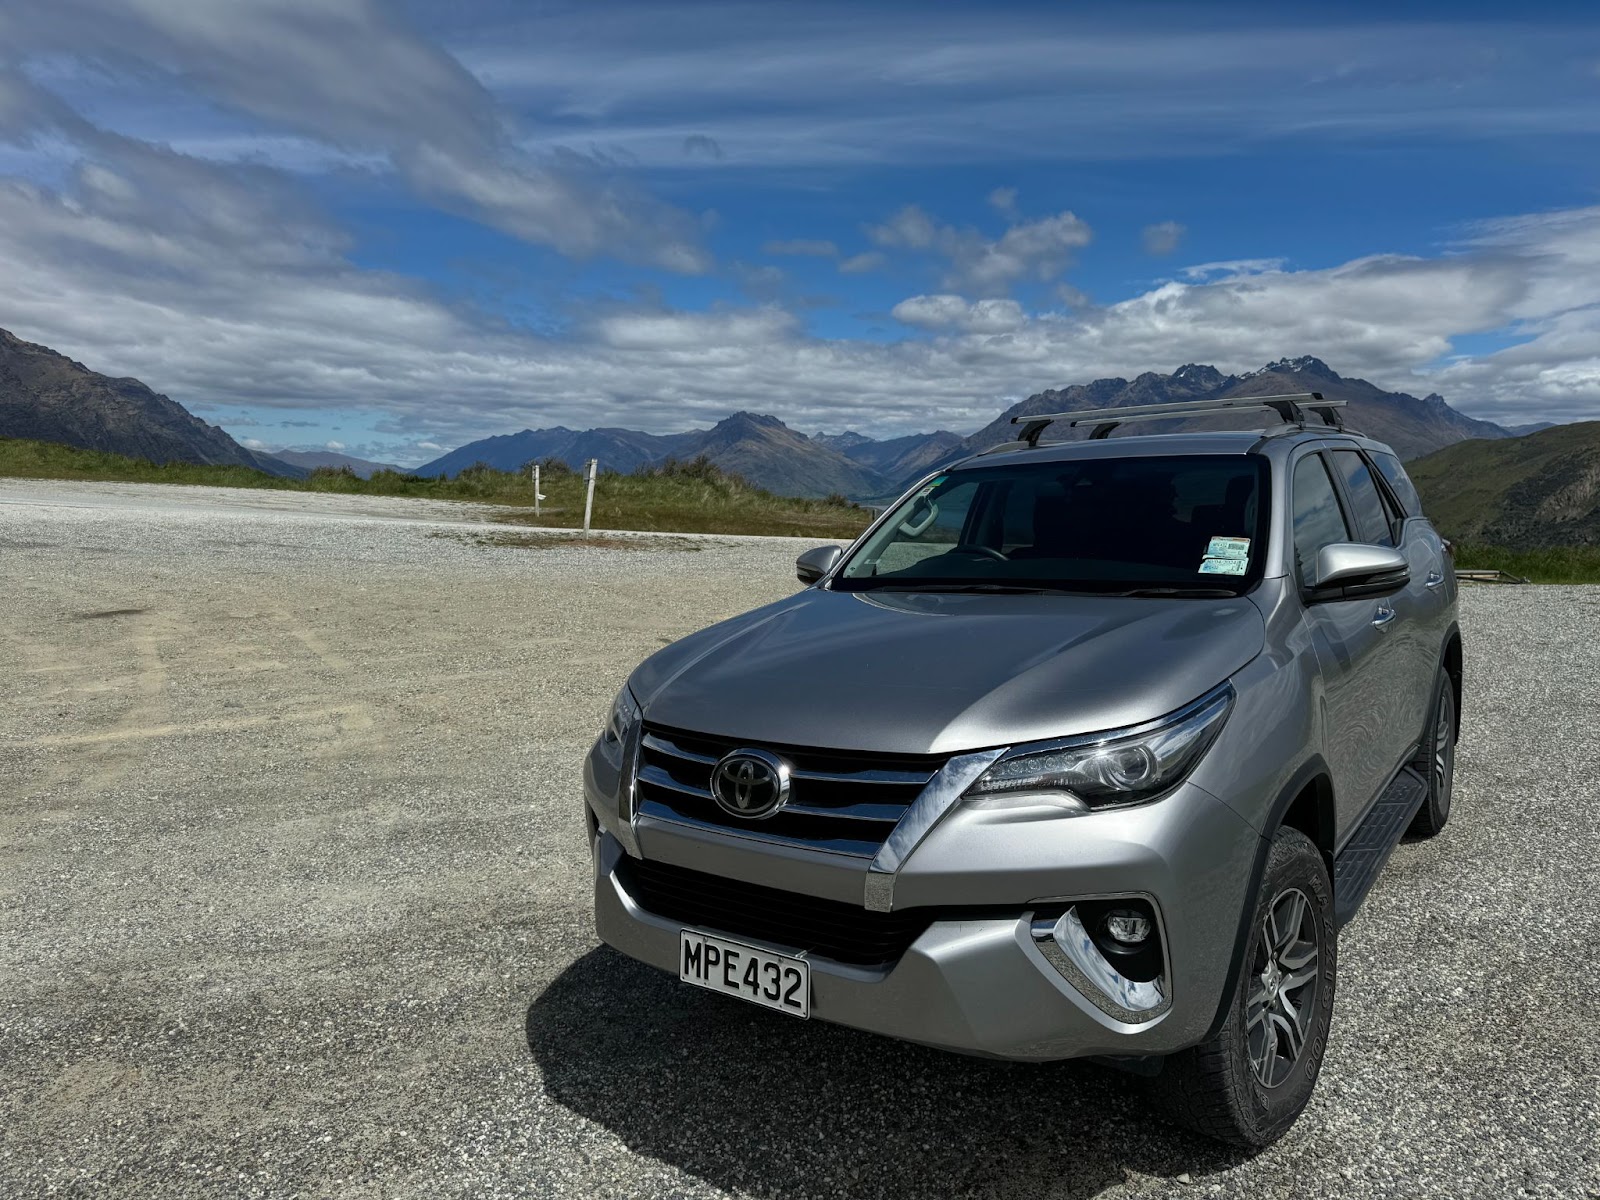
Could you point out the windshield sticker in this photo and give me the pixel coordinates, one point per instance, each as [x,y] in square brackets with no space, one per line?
[928,487]
[1228,547]
[1223,566]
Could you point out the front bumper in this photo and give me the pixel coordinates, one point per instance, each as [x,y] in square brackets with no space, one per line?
[987,985]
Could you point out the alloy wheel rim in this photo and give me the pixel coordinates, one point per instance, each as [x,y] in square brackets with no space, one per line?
[1285,979]
[1444,752]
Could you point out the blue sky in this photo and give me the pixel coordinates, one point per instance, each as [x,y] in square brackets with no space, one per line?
[396,228]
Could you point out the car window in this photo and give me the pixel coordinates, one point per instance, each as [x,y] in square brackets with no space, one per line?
[1371,520]
[1399,483]
[1318,519]
[1185,522]
[930,526]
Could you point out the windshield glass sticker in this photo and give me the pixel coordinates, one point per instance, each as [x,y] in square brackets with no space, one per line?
[928,487]
[1228,547]
[1224,566]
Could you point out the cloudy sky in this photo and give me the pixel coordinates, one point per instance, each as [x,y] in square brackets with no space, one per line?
[395,228]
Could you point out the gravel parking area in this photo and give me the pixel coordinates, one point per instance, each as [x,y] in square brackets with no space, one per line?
[294,901]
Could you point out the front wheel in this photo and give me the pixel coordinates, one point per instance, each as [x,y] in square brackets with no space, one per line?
[1436,761]
[1247,1085]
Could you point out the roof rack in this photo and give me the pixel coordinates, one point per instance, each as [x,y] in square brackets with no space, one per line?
[1292,407]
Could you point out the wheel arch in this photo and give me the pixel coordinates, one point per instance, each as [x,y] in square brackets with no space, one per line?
[1305,803]
[1450,659]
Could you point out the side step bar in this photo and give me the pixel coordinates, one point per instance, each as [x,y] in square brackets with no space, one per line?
[1357,867]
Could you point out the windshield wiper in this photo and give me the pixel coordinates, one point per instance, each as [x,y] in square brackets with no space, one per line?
[1199,593]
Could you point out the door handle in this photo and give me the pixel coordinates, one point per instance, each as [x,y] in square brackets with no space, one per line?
[1384,615]
[1434,579]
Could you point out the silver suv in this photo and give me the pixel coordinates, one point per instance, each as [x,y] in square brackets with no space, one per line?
[1084,749]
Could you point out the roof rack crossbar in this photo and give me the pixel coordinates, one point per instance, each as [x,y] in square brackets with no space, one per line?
[1291,408]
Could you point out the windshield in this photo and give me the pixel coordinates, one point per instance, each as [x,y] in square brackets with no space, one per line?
[1181,525]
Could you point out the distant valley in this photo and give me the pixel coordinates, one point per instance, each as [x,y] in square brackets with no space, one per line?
[311,460]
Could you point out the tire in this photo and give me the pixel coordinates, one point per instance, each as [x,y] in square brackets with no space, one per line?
[1436,761]
[1242,1087]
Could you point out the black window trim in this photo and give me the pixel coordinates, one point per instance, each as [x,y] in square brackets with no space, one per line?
[1350,524]
[1317,451]
[1386,493]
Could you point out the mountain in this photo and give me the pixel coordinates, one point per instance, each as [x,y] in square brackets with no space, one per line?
[1542,489]
[767,452]
[622,450]
[842,442]
[770,454]
[762,449]
[310,460]
[1413,427]
[47,397]
[903,458]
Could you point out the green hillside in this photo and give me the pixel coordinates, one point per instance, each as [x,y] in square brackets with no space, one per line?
[1533,492]
[694,497]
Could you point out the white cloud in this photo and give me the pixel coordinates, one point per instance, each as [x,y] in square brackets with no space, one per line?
[859,84]
[1004,201]
[908,229]
[802,248]
[860,264]
[212,284]
[334,445]
[348,74]
[1235,266]
[251,443]
[1037,250]
[957,313]
[1163,237]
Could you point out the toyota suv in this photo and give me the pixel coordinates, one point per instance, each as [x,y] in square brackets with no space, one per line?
[1083,749]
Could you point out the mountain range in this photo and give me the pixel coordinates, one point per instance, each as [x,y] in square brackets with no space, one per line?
[1482,482]
[854,464]
[48,397]
[1413,427]
[762,449]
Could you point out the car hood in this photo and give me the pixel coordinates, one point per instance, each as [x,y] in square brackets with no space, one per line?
[920,673]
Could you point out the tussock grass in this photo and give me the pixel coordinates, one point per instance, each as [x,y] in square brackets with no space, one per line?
[675,497]
[1552,564]
[549,539]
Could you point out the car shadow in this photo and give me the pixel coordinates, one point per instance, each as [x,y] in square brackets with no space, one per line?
[759,1102]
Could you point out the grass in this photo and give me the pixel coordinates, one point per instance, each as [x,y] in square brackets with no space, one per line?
[552,540]
[692,497]
[1554,564]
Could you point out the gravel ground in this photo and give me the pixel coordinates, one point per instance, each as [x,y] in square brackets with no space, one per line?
[294,901]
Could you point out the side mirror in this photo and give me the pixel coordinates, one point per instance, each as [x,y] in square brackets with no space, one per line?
[814,564]
[1351,570]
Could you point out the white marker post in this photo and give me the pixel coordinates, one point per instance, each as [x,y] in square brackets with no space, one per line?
[589,470]
[536,496]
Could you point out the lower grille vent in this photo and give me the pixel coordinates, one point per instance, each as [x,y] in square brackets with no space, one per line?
[827,928]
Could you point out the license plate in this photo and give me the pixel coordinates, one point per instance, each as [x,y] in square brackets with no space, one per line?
[759,976]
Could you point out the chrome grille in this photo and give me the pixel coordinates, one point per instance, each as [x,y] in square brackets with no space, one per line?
[844,802]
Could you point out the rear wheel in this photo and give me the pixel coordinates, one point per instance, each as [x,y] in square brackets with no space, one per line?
[1247,1085]
[1436,761]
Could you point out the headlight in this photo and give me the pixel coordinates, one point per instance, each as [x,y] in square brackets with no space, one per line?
[625,715]
[1107,770]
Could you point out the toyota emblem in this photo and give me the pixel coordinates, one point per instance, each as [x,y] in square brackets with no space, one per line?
[750,783]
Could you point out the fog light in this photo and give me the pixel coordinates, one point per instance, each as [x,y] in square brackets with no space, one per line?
[1127,927]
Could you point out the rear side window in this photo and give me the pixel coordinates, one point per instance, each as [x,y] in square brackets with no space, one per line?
[1399,483]
[1371,518]
[1318,519]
